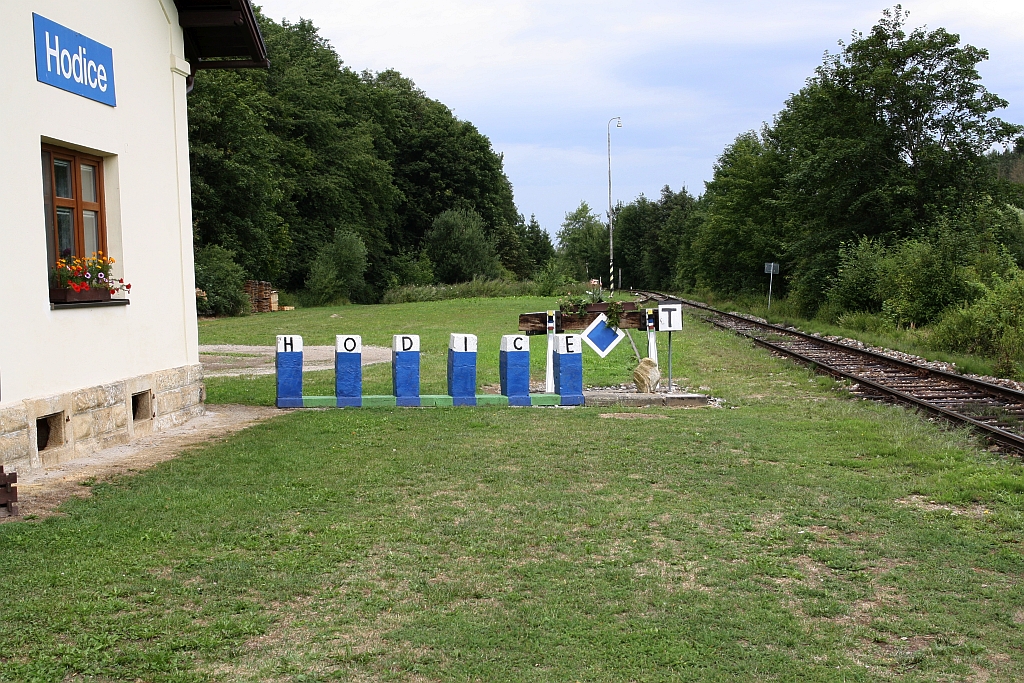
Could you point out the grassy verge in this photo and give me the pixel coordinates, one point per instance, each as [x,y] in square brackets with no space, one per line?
[914,341]
[795,535]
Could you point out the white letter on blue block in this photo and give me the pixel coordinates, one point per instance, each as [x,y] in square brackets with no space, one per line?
[289,371]
[462,369]
[514,369]
[569,369]
[348,370]
[405,369]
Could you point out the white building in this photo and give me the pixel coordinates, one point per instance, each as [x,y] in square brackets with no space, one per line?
[95,158]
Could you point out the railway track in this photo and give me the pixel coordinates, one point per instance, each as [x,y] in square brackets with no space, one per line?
[995,412]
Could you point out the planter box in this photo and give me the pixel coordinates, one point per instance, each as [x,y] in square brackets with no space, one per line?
[70,296]
[603,307]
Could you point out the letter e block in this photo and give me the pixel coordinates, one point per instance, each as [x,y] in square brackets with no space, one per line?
[568,368]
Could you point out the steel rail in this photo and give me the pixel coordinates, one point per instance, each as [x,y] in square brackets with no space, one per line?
[982,388]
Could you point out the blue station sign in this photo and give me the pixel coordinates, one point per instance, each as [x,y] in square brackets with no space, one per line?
[68,60]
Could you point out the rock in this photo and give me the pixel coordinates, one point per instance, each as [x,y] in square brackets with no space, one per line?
[647,376]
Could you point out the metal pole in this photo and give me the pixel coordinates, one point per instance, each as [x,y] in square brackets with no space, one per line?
[611,219]
[670,362]
[771,278]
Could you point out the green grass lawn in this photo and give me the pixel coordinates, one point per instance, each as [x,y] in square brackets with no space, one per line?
[794,535]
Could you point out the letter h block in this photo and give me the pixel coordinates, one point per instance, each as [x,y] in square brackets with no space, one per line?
[289,371]
[348,370]
[514,369]
[405,369]
[462,369]
[568,367]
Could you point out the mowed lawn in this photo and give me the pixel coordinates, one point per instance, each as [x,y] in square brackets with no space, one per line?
[794,534]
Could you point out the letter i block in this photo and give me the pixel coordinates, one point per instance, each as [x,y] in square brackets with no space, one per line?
[348,370]
[514,369]
[289,371]
[568,362]
[462,369]
[405,369]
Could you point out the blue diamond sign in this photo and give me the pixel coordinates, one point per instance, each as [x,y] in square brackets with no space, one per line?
[602,338]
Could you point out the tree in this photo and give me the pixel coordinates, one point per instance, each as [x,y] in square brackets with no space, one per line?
[337,271]
[887,136]
[583,244]
[459,248]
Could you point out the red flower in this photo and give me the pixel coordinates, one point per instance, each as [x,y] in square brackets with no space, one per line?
[74,286]
[85,286]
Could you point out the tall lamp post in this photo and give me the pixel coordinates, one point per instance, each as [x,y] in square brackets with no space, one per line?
[611,218]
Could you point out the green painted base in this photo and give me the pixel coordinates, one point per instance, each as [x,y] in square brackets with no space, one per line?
[319,402]
[442,400]
[378,401]
[491,400]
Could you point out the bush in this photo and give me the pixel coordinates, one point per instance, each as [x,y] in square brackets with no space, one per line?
[222,279]
[459,249]
[992,326]
[476,288]
[337,271]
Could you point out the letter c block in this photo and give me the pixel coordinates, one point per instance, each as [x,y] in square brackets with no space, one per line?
[289,371]
[514,369]
[348,370]
[405,369]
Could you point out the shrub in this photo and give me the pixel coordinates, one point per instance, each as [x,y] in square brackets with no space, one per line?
[222,279]
[459,249]
[992,326]
[476,288]
[337,271]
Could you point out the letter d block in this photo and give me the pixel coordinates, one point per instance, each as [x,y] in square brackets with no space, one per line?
[462,369]
[348,370]
[568,366]
[289,371]
[405,369]
[514,369]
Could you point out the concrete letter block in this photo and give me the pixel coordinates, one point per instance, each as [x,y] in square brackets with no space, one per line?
[405,369]
[348,370]
[462,349]
[514,369]
[568,368]
[289,371]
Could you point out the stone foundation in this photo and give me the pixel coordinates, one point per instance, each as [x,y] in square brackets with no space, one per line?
[41,432]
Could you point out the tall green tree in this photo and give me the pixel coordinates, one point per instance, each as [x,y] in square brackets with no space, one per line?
[583,244]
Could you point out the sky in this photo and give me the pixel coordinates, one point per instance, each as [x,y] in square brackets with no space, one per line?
[542,78]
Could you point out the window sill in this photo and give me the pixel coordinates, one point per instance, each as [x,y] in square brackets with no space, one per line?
[90,304]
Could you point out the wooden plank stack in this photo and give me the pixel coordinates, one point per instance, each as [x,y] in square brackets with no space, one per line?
[262,296]
[8,493]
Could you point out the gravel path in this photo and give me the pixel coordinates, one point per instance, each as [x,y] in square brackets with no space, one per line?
[233,360]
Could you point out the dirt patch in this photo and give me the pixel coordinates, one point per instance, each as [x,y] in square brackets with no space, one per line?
[634,416]
[41,491]
[922,503]
[233,360]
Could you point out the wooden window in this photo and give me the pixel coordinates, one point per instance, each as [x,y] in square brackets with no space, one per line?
[73,203]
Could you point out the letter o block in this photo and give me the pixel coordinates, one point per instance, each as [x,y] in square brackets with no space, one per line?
[514,369]
[348,370]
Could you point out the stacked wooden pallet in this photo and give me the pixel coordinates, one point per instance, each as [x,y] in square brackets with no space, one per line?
[262,296]
[8,493]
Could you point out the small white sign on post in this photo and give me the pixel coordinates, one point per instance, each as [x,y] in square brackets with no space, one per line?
[670,317]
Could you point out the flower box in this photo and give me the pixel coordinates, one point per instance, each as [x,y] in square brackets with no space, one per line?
[63,295]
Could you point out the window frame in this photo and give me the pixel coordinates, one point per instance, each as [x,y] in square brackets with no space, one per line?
[77,203]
